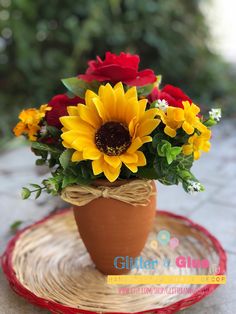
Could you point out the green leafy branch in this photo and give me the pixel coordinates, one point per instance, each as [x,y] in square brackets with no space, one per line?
[67,173]
[26,192]
[164,149]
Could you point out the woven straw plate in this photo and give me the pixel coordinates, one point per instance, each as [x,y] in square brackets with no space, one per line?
[47,264]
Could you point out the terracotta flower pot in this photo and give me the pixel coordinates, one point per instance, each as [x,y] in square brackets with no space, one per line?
[110,228]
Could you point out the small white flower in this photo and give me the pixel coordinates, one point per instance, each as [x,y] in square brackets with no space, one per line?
[194,187]
[215,114]
[161,104]
[43,130]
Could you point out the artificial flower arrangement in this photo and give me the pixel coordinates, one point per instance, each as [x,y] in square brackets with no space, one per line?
[116,124]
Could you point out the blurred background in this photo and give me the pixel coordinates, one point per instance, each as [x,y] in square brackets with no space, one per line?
[189,42]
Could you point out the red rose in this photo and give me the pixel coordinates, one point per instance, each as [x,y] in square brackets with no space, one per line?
[59,105]
[122,68]
[173,95]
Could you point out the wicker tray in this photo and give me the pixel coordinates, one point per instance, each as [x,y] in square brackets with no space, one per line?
[47,264]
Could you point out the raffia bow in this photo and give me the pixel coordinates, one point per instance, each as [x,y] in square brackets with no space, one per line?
[136,192]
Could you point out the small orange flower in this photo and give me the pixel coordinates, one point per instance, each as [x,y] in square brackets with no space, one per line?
[29,122]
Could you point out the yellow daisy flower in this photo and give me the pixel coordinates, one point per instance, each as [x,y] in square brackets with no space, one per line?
[29,123]
[197,144]
[109,130]
[172,118]
[186,118]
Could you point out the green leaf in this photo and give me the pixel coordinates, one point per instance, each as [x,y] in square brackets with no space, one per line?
[25,193]
[148,173]
[52,162]
[53,184]
[15,225]
[184,162]
[174,172]
[35,185]
[210,122]
[38,193]
[159,79]
[45,147]
[68,180]
[157,138]
[169,157]
[164,149]
[186,175]
[65,158]
[176,150]
[40,162]
[78,87]
[166,173]
[145,90]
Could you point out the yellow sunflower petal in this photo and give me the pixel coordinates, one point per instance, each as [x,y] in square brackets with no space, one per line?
[146,139]
[71,122]
[91,153]
[141,159]
[89,97]
[131,93]
[136,144]
[70,136]
[65,144]
[120,109]
[132,167]
[77,156]
[97,166]
[89,115]
[103,113]
[133,126]
[113,161]
[149,114]
[72,110]
[131,110]
[127,158]
[111,173]
[142,106]
[119,86]
[108,98]
[82,142]
[147,127]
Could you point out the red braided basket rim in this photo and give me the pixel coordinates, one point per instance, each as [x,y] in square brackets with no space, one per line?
[56,308]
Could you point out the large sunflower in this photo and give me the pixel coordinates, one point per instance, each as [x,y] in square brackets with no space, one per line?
[109,130]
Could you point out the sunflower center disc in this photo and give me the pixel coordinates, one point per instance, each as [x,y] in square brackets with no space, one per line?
[113,138]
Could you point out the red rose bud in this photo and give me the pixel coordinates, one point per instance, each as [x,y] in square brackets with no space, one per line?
[173,95]
[59,105]
[118,68]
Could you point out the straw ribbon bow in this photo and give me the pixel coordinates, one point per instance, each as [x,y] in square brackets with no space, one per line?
[136,192]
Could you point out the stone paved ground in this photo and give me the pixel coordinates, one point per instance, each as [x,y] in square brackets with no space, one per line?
[215,209]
